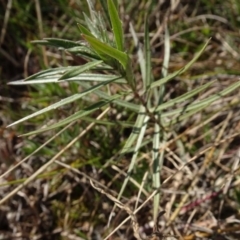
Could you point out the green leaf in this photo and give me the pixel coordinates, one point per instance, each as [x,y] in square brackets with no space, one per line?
[167,49]
[182,70]
[140,54]
[183,97]
[156,165]
[53,78]
[128,105]
[84,30]
[116,4]
[42,42]
[147,79]
[46,73]
[107,123]
[102,48]
[135,131]
[84,52]
[82,81]
[92,25]
[202,103]
[74,72]
[141,125]
[63,102]
[105,10]
[116,25]
[101,24]
[185,115]
[57,42]
[76,116]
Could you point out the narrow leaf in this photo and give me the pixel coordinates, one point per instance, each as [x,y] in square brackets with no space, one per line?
[84,30]
[116,25]
[135,131]
[76,116]
[47,73]
[183,97]
[57,42]
[123,103]
[103,48]
[74,72]
[84,52]
[182,70]
[92,26]
[156,167]
[63,102]
[105,10]
[41,42]
[89,77]
[140,54]
[204,102]
[167,49]
[141,125]
[147,51]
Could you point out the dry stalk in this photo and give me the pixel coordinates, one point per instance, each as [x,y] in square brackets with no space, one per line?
[50,162]
[230,178]
[122,206]
[174,174]
[200,172]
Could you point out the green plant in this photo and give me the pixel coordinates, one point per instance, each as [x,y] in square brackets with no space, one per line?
[107,64]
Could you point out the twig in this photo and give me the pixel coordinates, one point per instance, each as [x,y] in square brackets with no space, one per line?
[45,166]
[122,206]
